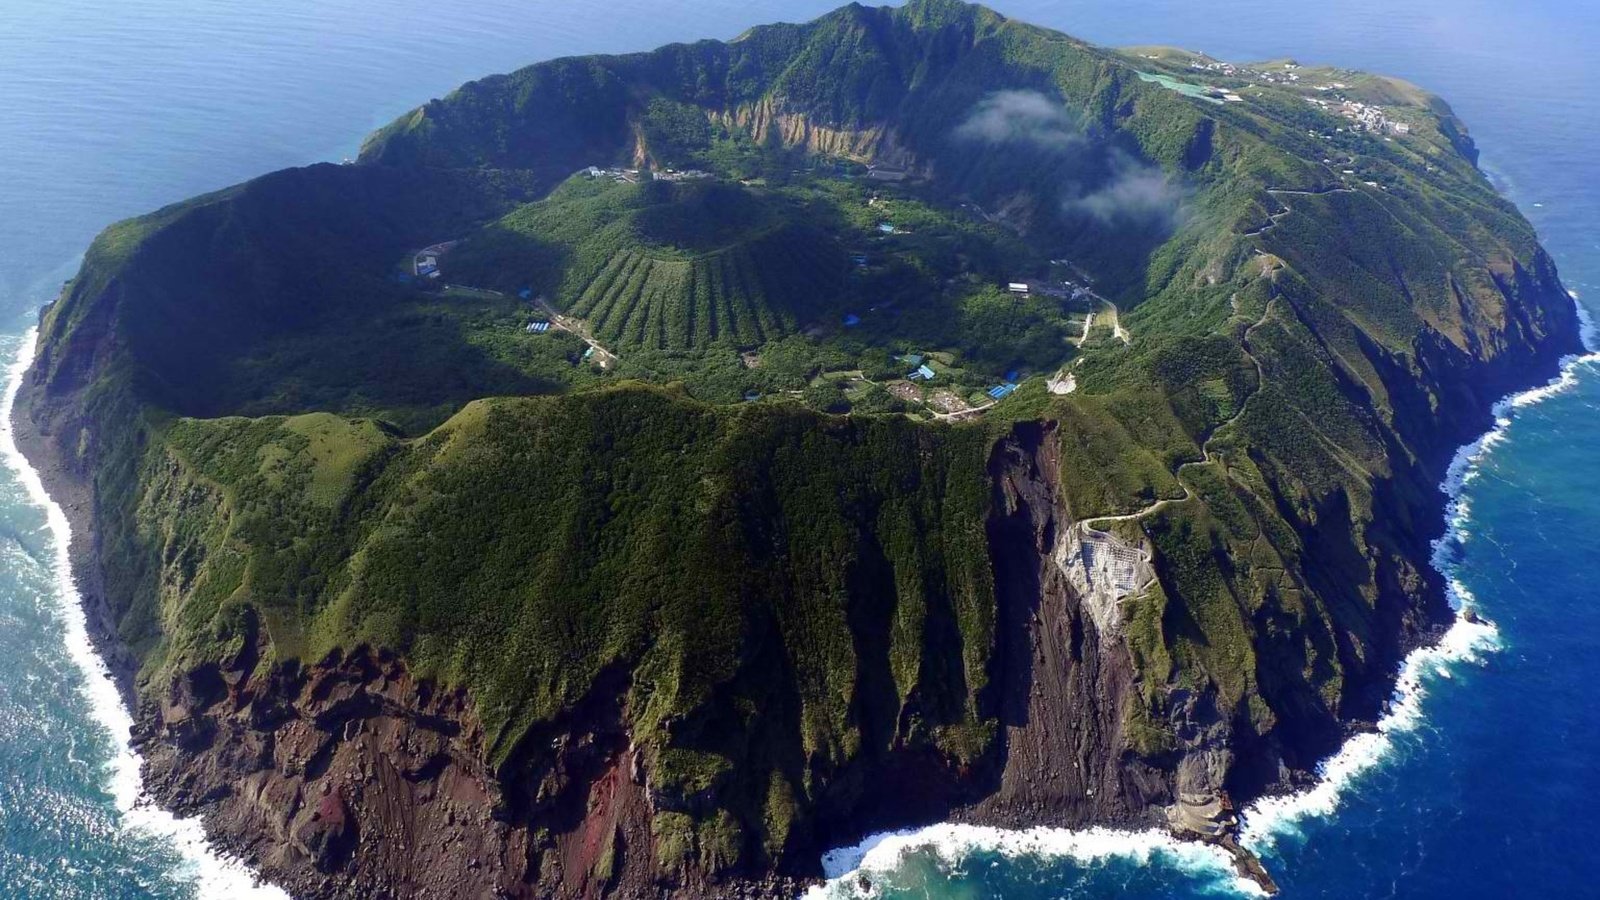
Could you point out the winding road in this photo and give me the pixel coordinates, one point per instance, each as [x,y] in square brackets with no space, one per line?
[1205,448]
[1274,218]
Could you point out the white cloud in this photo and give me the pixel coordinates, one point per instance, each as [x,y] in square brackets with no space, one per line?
[1020,117]
[1137,192]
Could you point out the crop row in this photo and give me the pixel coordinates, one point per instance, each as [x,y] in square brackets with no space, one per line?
[745,295]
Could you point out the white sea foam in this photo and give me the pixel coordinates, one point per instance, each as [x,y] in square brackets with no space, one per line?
[1264,821]
[214,875]
[952,845]
[1269,818]
[1466,642]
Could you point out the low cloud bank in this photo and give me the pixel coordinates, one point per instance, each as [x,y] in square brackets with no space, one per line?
[1137,193]
[1113,188]
[1021,117]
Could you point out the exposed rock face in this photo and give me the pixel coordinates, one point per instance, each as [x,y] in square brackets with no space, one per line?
[353,779]
[767,120]
[1064,684]
[347,768]
[1103,570]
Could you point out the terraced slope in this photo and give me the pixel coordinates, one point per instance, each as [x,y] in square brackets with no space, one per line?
[664,266]
[744,295]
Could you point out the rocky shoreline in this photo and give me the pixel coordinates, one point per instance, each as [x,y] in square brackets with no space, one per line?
[74,493]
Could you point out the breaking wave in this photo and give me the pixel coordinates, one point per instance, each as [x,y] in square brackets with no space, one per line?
[850,870]
[213,875]
[1269,818]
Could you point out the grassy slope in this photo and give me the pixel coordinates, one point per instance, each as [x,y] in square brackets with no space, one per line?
[627,528]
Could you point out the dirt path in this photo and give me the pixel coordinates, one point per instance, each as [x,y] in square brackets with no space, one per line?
[605,357]
[1117,331]
[962,414]
[1109,310]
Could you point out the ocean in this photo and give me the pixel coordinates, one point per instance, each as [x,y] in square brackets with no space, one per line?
[1481,783]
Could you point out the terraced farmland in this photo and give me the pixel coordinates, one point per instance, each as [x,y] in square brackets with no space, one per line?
[664,266]
[743,295]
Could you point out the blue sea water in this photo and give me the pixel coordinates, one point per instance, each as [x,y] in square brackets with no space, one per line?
[1484,786]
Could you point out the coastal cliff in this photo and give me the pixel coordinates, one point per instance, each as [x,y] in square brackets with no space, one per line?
[595,636]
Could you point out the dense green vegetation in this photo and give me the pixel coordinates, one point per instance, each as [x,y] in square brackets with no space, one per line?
[628,528]
[664,266]
[288,427]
